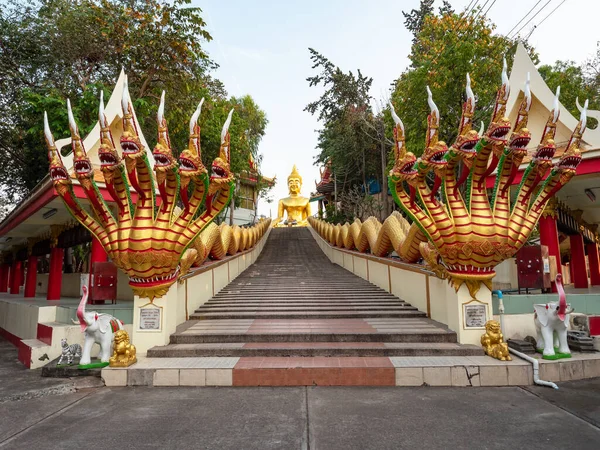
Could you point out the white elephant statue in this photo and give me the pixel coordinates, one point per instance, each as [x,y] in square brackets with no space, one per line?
[98,328]
[551,323]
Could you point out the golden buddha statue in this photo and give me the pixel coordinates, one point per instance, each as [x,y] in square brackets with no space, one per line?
[296,206]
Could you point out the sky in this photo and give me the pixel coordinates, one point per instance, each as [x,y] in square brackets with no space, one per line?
[262,46]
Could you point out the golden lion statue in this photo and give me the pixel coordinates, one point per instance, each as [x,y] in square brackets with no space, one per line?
[123,351]
[493,341]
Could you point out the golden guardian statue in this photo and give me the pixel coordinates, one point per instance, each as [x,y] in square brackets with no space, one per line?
[296,206]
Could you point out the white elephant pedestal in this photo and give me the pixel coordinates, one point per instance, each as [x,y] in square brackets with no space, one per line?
[98,328]
[551,323]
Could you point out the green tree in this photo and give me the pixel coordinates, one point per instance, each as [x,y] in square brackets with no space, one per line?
[574,83]
[447,47]
[52,50]
[344,110]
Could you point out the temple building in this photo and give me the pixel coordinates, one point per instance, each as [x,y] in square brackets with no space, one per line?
[569,225]
[250,183]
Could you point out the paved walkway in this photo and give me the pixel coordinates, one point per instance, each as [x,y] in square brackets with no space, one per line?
[304,418]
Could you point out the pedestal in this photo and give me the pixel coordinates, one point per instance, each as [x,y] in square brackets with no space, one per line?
[154,322]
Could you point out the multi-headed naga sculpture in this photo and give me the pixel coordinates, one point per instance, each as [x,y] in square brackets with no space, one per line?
[152,240]
[461,232]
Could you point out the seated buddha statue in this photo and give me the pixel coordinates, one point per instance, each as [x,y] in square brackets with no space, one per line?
[295,206]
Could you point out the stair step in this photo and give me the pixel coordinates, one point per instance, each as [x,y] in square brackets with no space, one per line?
[229,337]
[306,315]
[315,308]
[311,349]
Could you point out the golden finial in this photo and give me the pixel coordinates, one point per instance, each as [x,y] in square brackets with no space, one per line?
[295,174]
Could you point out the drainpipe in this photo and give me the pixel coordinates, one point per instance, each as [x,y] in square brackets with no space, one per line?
[500,307]
[536,369]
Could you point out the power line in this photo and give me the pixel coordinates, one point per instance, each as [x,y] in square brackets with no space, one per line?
[544,19]
[528,12]
[488,10]
[532,17]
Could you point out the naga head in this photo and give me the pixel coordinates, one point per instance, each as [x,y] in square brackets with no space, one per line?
[107,154]
[520,136]
[130,140]
[545,150]
[466,142]
[567,165]
[404,162]
[190,162]
[221,174]
[58,171]
[434,156]
[163,155]
[81,162]
[500,124]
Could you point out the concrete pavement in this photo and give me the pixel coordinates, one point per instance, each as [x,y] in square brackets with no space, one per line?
[296,418]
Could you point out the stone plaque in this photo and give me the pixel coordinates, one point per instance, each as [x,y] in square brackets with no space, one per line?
[150,318]
[475,315]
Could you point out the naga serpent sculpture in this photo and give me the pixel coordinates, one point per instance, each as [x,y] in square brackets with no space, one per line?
[151,241]
[464,236]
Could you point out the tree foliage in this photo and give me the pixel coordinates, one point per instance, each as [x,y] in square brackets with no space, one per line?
[447,47]
[51,50]
[575,82]
[345,112]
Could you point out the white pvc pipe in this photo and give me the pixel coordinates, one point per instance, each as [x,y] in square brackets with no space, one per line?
[536,369]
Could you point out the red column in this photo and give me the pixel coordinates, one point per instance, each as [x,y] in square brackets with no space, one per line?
[22,274]
[4,269]
[594,262]
[580,279]
[15,277]
[55,275]
[31,281]
[97,254]
[549,237]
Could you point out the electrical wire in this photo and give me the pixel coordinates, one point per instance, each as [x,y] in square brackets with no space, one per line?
[523,18]
[533,17]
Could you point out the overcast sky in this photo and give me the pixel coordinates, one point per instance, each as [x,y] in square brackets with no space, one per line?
[262,49]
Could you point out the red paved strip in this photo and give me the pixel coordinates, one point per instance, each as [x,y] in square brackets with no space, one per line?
[317,371]
[314,345]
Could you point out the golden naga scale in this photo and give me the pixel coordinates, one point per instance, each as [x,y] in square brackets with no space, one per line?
[152,240]
[454,225]
[295,206]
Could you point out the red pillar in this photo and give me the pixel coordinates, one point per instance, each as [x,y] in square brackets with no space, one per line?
[4,269]
[22,274]
[97,254]
[55,275]
[15,277]
[549,237]
[580,279]
[31,281]
[594,262]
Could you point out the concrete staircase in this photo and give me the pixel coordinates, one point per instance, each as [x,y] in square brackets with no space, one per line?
[293,302]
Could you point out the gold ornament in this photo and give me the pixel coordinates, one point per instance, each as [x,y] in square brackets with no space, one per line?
[123,351]
[493,342]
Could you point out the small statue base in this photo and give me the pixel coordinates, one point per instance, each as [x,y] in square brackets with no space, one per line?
[93,365]
[123,363]
[557,355]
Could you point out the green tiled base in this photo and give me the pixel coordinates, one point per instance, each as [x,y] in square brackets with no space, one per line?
[557,354]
